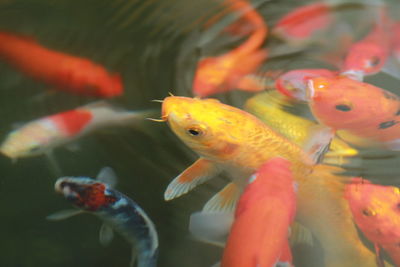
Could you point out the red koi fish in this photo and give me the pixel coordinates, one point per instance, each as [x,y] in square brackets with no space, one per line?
[68,73]
[376,211]
[365,114]
[259,233]
[224,72]
[302,23]
[293,83]
[369,55]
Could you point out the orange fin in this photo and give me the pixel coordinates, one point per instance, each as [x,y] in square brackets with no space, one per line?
[199,172]
[225,200]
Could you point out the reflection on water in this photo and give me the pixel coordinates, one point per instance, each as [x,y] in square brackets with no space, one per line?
[155,46]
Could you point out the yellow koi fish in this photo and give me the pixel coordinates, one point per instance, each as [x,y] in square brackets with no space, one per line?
[269,107]
[235,142]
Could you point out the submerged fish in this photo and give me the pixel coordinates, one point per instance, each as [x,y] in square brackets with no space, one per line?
[223,73]
[369,55]
[299,25]
[259,233]
[66,72]
[119,213]
[42,135]
[233,141]
[365,114]
[376,210]
[270,108]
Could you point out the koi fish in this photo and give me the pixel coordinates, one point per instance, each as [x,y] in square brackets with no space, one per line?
[68,73]
[235,142]
[293,83]
[42,135]
[376,211]
[270,108]
[303,22]
[223,73]
[119,213]
[366,115]
[265,210]
[369,55]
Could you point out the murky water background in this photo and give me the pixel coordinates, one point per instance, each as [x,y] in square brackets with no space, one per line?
[155,46]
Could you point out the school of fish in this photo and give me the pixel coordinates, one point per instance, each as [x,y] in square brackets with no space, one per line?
[285,151]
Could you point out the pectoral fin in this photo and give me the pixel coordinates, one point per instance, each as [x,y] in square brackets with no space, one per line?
[225,200]
[211,227]
[299,234]
[199,172]
[318,143]
[63,214]
[106,234]
[107,176]
[379,258]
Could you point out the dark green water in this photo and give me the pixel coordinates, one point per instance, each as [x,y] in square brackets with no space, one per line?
[153,45]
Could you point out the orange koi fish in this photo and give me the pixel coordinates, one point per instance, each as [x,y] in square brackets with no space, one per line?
[302,23]
[293,83]
[369,55]
[265,210]
[224,72]
[67,73]
[376,210]
[365,114]
[235,142]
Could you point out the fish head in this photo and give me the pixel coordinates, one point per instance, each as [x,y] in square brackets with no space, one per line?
[207,126]
[344,103]
[294,83]
[375,208]
[31,140]
[85,193]
[366,58]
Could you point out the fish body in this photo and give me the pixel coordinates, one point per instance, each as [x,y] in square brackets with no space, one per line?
[357,109]
[293,83]
[376,212]
[299,25]
[270,108]
[117,211]
[42,135]
[265,210]
[224,72]
[230,140]
[66,72]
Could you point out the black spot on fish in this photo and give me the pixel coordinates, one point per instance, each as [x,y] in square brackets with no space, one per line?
[343,107]
[387,124]
[375,61]
[389,95]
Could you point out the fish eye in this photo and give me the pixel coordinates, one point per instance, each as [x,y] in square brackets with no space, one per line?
[343,107]
[374,61]
[368,212]
[194,131]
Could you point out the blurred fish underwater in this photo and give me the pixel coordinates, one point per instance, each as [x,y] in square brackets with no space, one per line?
[126,56]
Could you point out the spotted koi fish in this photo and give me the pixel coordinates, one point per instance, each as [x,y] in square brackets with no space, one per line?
[362,114]
[42,135]
[119,213]
[66,72]
[376,211]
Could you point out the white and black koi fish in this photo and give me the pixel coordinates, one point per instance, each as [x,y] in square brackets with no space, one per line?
[119,213]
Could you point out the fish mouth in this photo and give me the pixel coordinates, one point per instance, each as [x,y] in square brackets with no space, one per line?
[310,91]
[357,75]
